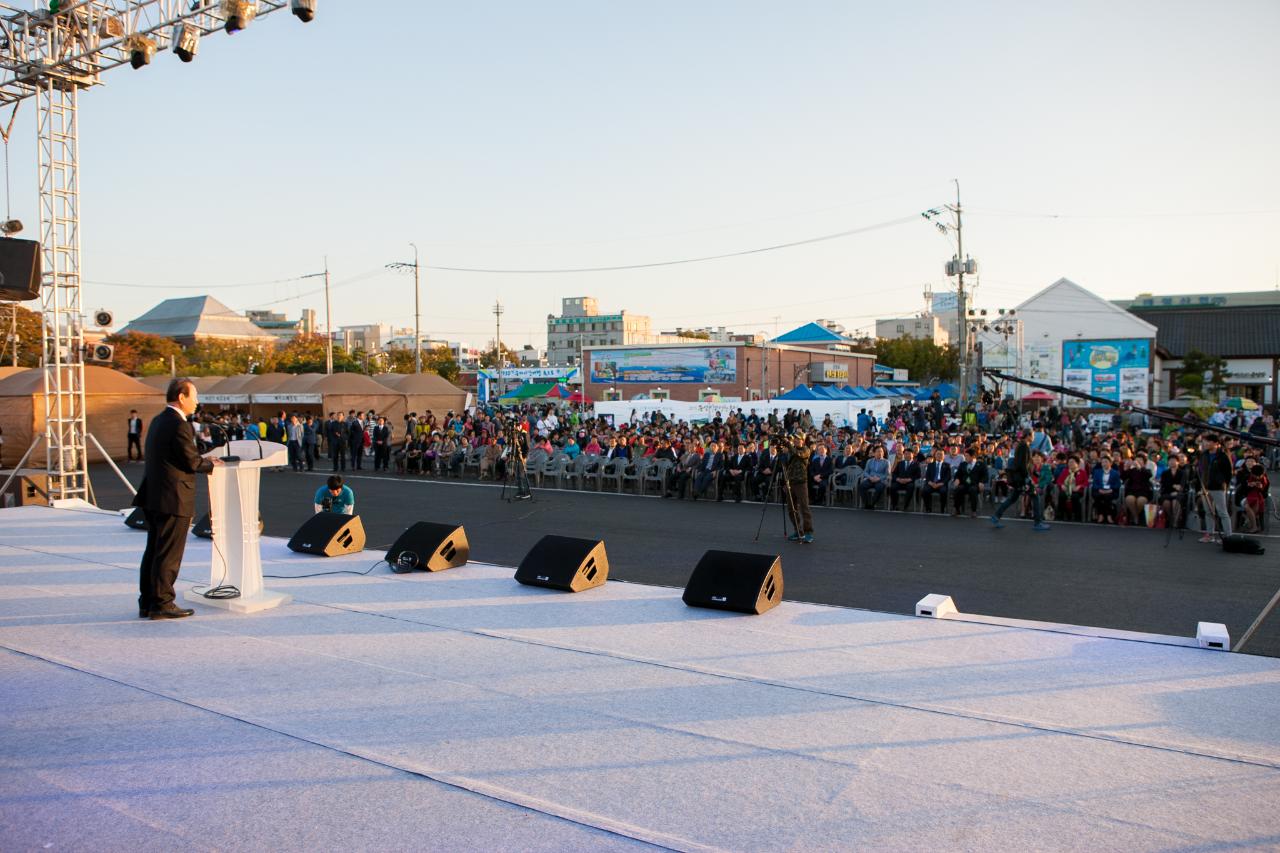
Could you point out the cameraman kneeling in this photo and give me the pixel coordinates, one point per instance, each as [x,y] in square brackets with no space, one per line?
[335,497]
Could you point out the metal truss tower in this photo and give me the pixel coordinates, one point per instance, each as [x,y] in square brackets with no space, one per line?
[50,54]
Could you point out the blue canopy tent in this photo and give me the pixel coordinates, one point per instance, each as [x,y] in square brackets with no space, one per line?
[800,392]
[858,393]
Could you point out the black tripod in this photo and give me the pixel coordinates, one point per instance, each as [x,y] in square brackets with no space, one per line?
[788,510]
[515,469]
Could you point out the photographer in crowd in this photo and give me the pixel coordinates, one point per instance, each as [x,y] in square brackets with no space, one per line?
[334,496]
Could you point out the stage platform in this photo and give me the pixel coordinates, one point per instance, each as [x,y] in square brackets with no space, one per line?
[463,711]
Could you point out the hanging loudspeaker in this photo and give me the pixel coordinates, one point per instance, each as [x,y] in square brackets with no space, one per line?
[20,270]
[565,563]
[730,580]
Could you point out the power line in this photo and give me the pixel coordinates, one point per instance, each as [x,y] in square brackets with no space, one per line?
[193,286]
[849,233]
[991,211]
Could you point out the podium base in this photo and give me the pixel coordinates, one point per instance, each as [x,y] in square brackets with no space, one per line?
[264,600]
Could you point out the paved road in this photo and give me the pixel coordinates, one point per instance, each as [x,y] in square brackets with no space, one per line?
[1078,574]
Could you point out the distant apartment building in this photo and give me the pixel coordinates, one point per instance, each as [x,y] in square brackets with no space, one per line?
[281,326]
[928,327]
[580,326]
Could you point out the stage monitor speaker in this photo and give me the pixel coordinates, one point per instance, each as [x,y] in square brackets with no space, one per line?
[329,534]
[429,546]
[731,580]
[566,563]
[204,526]
[136,519]
[20,270]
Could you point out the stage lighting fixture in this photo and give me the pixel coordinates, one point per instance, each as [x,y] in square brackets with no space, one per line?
[103,317]
[239,13]
[186,41]
[304,10]
[100,352]
[10,227]
[141,49]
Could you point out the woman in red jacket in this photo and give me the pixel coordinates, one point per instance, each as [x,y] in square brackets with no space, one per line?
[1072,484]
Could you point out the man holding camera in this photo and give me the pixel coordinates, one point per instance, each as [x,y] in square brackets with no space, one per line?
[796,454]
[333,496]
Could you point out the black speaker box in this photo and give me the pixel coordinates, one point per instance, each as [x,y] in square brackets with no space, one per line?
[329,534]
[136,519]
[20,270]
[566,563]
[429,546]
[730,580]
[204,526]
[1237,543]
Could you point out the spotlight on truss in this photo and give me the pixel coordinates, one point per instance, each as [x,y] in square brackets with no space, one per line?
[304,10]
[141,49]
[10,227]
[239,13]
[186,41]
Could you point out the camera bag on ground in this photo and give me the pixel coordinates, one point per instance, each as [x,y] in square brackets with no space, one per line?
[1239,544]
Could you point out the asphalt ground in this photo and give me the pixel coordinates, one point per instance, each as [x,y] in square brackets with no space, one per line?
[1080,574]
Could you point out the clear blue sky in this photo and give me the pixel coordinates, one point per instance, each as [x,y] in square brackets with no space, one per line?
[574,134]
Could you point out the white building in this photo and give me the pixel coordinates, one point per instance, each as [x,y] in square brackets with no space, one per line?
[1074,338]
[927,327]
[581,326]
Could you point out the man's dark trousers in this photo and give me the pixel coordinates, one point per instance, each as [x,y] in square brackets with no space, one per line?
[162,559]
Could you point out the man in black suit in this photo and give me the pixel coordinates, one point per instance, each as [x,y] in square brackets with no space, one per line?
[708,470]
[970,482]
[820,470]
[381,445]
[167,498]
[902,485]
[355,440]
[937,479]
[736,467]
[135,434]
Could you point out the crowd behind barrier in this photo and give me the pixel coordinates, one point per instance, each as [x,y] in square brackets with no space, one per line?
[920,457]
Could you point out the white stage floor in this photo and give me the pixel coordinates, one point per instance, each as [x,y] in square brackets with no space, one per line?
[461,710]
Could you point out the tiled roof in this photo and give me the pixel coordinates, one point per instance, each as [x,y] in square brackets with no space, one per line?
[810,333]
[196,316]
[1228,332]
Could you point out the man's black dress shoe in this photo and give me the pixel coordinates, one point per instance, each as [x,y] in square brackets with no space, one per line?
[171,611]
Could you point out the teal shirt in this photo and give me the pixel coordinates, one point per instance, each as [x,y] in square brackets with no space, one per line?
[344,501]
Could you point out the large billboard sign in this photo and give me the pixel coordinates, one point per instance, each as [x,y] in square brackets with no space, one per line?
[703,365]
[1117,370]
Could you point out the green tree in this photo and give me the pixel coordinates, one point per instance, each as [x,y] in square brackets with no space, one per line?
[436,360]
[306,354]
[489,358]
[140,354]
[30,335]
[223,358]
[1195,367]
[926,361]
[440,360]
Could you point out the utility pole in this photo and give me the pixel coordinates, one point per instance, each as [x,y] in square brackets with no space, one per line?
[417,307]
[960,303]
[959,266]
[497,344]
[328,322]
[328,316]
[417,314]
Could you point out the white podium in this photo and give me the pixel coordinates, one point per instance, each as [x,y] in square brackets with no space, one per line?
[233,503]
